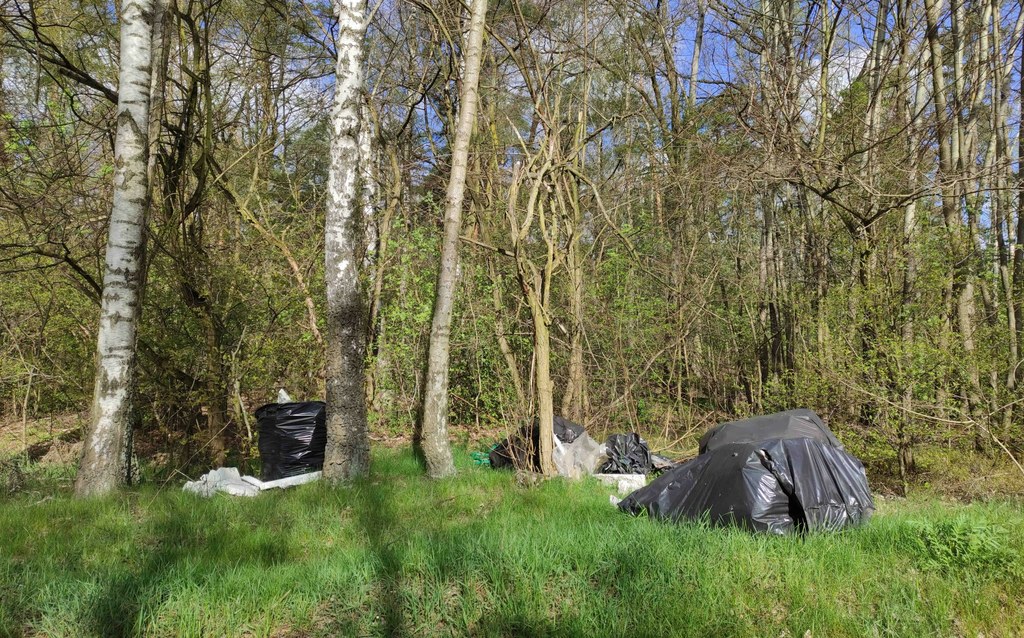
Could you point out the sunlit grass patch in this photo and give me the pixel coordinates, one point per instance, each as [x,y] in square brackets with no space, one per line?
[479,555]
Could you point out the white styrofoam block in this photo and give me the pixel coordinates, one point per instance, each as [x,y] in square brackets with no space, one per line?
[624,483]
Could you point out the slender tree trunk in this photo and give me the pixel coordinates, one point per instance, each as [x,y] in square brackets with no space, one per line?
[910,106]
[500,331]
[766,267]
[572,400]
[434,419]
[216,388]
[545,388]
[348,448]
[104,463]
[962,276]
[492,195]
[161,49]
[1018,249]
[932,15]
[536,287]
[817,241]
[1001,201]
[374,396]
[698,40]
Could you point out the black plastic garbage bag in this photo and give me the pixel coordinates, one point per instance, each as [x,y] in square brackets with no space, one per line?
[627,454]
[522,449]
[661,463]
[292,438]
[565,430]
[777,485]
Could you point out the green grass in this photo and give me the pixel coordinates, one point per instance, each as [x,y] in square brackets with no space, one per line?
[477,555]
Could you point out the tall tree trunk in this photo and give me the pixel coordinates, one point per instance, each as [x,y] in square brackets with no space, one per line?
[910,107]
[766,281]
[374,396]
[501,334]
[1001,199]
[816,213]
[348,448]
[962,275]
[434,418]
[575,387]
[535,283]
[216,387]
[104,463]
[542,378]
[161,49]
[698,40]
[1018,250]
[574,399]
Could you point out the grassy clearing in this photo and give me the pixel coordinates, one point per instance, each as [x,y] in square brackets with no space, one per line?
[477,555]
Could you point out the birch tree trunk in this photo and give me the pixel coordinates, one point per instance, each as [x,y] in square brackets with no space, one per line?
[434,417]
[104,463]
[348,448]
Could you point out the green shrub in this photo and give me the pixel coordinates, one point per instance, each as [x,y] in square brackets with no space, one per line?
[961,542]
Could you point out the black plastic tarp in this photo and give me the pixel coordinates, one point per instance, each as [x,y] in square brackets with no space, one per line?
[780,484]
[522,449]
[292,438]
[793,424]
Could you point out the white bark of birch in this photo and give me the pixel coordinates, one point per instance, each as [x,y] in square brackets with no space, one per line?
[348,448]
[104,464]
[434,424]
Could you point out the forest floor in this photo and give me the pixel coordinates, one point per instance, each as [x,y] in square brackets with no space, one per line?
[481,555]
[37,437]
[53,442]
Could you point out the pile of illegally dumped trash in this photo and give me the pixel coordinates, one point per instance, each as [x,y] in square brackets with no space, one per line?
[623,461]
[292,440]
[778,473]
[576,453]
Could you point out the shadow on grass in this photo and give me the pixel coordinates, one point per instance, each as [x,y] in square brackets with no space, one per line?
[184,542]
[182,545]
[375,515]
[477,556]
[412,557]
[427,548]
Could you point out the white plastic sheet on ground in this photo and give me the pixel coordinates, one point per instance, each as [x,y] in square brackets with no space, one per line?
[580,458]
[229,481]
